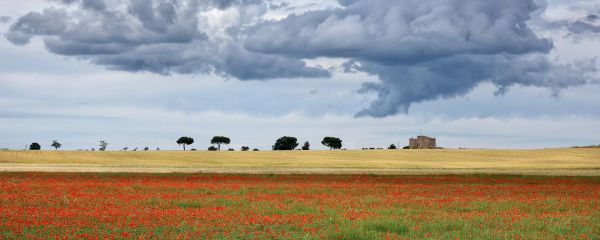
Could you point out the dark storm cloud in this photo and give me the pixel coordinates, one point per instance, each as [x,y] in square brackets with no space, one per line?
[588,25]
[5,19]
[421,50]
[424,50]
[392,32]
[91,4]
[156,36]
[402,85]
[222,4]
[583,27]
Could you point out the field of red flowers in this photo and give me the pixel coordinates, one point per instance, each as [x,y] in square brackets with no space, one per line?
[166,206]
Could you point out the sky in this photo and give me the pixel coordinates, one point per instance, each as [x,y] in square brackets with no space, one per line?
[137,73]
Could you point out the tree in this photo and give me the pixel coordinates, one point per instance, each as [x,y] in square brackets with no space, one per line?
[146,148]
[185,141]
[332,142]
[35,146]
[56,144]
[306,146]
[245,148]
[392,147]
[220,140]
[212,148]
[285,143]
[103,145]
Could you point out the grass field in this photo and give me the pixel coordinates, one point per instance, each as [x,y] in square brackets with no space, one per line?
[200,206]
[585,160]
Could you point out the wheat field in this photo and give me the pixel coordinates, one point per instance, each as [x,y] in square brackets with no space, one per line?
[586,160]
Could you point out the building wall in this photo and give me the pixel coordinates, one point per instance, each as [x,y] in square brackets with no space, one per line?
[413,143]
[422,142]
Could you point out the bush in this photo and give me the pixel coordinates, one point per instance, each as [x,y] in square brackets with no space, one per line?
[212,148]
[231,149]
[332,142]
[392,147]
[245,148]
[406,147]
[256,150]
[35,146]
[306,146]
[285,143]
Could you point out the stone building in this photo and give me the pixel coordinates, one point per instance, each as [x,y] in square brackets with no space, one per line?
[422,142]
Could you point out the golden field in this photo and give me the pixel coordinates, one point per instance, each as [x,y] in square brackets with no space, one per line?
[577,161]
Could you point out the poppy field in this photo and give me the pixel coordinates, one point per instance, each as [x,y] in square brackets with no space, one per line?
[228,206]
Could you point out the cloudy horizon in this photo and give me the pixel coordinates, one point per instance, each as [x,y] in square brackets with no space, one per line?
[136,73]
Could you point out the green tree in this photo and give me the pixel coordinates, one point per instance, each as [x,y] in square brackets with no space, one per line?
[306,146]
[245,148]
[103,145]
[56,144]
[185,141]
[332,142]
[285,143]
[212,148]
[220,140]
[35,146]
[393,146]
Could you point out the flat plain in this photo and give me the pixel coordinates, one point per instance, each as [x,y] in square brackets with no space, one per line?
[354,194]
[566,161]
[251,206]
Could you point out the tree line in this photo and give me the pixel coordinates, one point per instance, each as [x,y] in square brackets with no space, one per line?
[282,143]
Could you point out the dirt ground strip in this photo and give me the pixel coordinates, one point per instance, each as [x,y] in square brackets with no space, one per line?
[122,169]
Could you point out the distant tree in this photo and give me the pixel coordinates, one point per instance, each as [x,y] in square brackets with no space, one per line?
[306,146]
[406,147]
[255,150]
[245,148]
[146,148]
[220,140]
[285,143]
[212,148]
[332,142]
[157,149]
[185,141]
[35,146]
[103,145]
[193,149]
[125,148]
[231,149]
[392,147]
[56,144]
